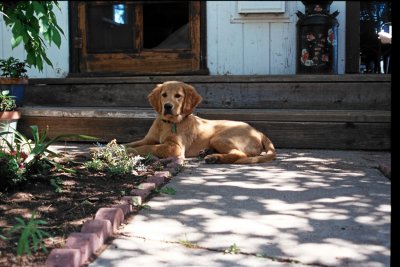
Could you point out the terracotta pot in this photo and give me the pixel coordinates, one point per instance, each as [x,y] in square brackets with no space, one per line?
[9,115]
[13,81]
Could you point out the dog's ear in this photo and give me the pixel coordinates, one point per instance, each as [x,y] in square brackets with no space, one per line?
[154,98]
[192,99]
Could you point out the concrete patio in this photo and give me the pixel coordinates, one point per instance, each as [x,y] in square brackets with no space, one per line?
[308,207]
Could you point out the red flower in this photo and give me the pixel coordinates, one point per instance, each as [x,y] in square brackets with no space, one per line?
[22,155]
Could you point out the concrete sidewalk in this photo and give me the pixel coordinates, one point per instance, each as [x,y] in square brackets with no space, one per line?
[308,207]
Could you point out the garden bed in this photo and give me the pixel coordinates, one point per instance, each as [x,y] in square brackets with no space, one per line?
[64,200]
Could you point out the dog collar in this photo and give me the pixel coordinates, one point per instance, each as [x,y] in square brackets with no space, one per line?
[173,127]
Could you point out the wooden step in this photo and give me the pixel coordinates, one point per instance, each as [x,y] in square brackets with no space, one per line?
[288,128]
[337,92]
[295,111]
[216,114]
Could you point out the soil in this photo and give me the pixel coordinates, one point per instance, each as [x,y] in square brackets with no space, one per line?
[82,194]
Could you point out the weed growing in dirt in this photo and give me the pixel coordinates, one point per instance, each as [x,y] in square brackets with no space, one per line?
[57,184]
[167,190]
[31,236]
[137,202]
[233,249]
[188,244]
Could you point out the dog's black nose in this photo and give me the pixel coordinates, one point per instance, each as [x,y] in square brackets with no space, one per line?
[168,108]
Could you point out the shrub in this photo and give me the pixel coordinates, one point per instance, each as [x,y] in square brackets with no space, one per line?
[114,160]
[11,171]
[30,157]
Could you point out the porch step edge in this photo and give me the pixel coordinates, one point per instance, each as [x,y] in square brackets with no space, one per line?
[295,115]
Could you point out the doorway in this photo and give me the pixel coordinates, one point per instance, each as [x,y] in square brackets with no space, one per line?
[137,37]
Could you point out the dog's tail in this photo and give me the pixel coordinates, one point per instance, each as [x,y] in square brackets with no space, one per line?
[265,157]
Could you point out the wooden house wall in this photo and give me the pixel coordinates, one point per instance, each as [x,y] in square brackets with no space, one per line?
[59,57]
[234,47]
[263,46]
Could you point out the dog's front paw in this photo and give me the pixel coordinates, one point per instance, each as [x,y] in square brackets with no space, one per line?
[205,152]
[212,159]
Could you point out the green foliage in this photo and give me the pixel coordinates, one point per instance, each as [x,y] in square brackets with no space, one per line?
[10,172]
[233,249]
[33,24]
[13,68]
[138,204]
[166,190]
[31,236]
[7,101]
[56,183]
[188,244]
[114,160]
[29,157]
[96,165]
[38,147]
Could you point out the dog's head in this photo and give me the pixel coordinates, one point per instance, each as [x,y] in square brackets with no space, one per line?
[174,100]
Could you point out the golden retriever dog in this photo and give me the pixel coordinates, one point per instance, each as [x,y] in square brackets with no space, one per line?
[177,132]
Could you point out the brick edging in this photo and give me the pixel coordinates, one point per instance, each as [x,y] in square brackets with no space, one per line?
[80,246]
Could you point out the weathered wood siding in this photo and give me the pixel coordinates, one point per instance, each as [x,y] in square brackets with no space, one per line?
[296,111]
[234,46]
[59,57]
[265,45]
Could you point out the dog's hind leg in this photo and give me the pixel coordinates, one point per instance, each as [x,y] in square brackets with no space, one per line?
[225,151]
[230,157]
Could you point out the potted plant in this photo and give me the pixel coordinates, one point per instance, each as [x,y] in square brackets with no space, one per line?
[9,116]
[13,78]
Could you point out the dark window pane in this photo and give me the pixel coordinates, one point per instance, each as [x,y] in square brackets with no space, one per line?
[166,25]
[110,28]
[375,16]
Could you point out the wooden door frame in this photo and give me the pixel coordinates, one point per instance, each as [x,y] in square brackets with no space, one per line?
[76,43]
[352,37]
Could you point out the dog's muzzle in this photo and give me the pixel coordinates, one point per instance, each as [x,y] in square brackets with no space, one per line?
[168,109]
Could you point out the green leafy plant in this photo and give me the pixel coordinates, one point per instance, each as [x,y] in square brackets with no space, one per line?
[166,190]
[11,172]
[138,203]
[56,183]
[95,164]
[3,237]
[33,24]
[188,244]
[31,236]
[7,101]
[27,157]
[233,249]
[13,68]
[38,147]
[114,160]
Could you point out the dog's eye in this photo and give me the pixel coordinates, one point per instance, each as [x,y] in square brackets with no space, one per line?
[164,95]
[178,96]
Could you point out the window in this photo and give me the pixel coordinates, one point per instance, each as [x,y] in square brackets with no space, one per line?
[154,37]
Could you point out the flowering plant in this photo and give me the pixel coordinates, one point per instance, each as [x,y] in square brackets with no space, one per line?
[7,101]
[26,157]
